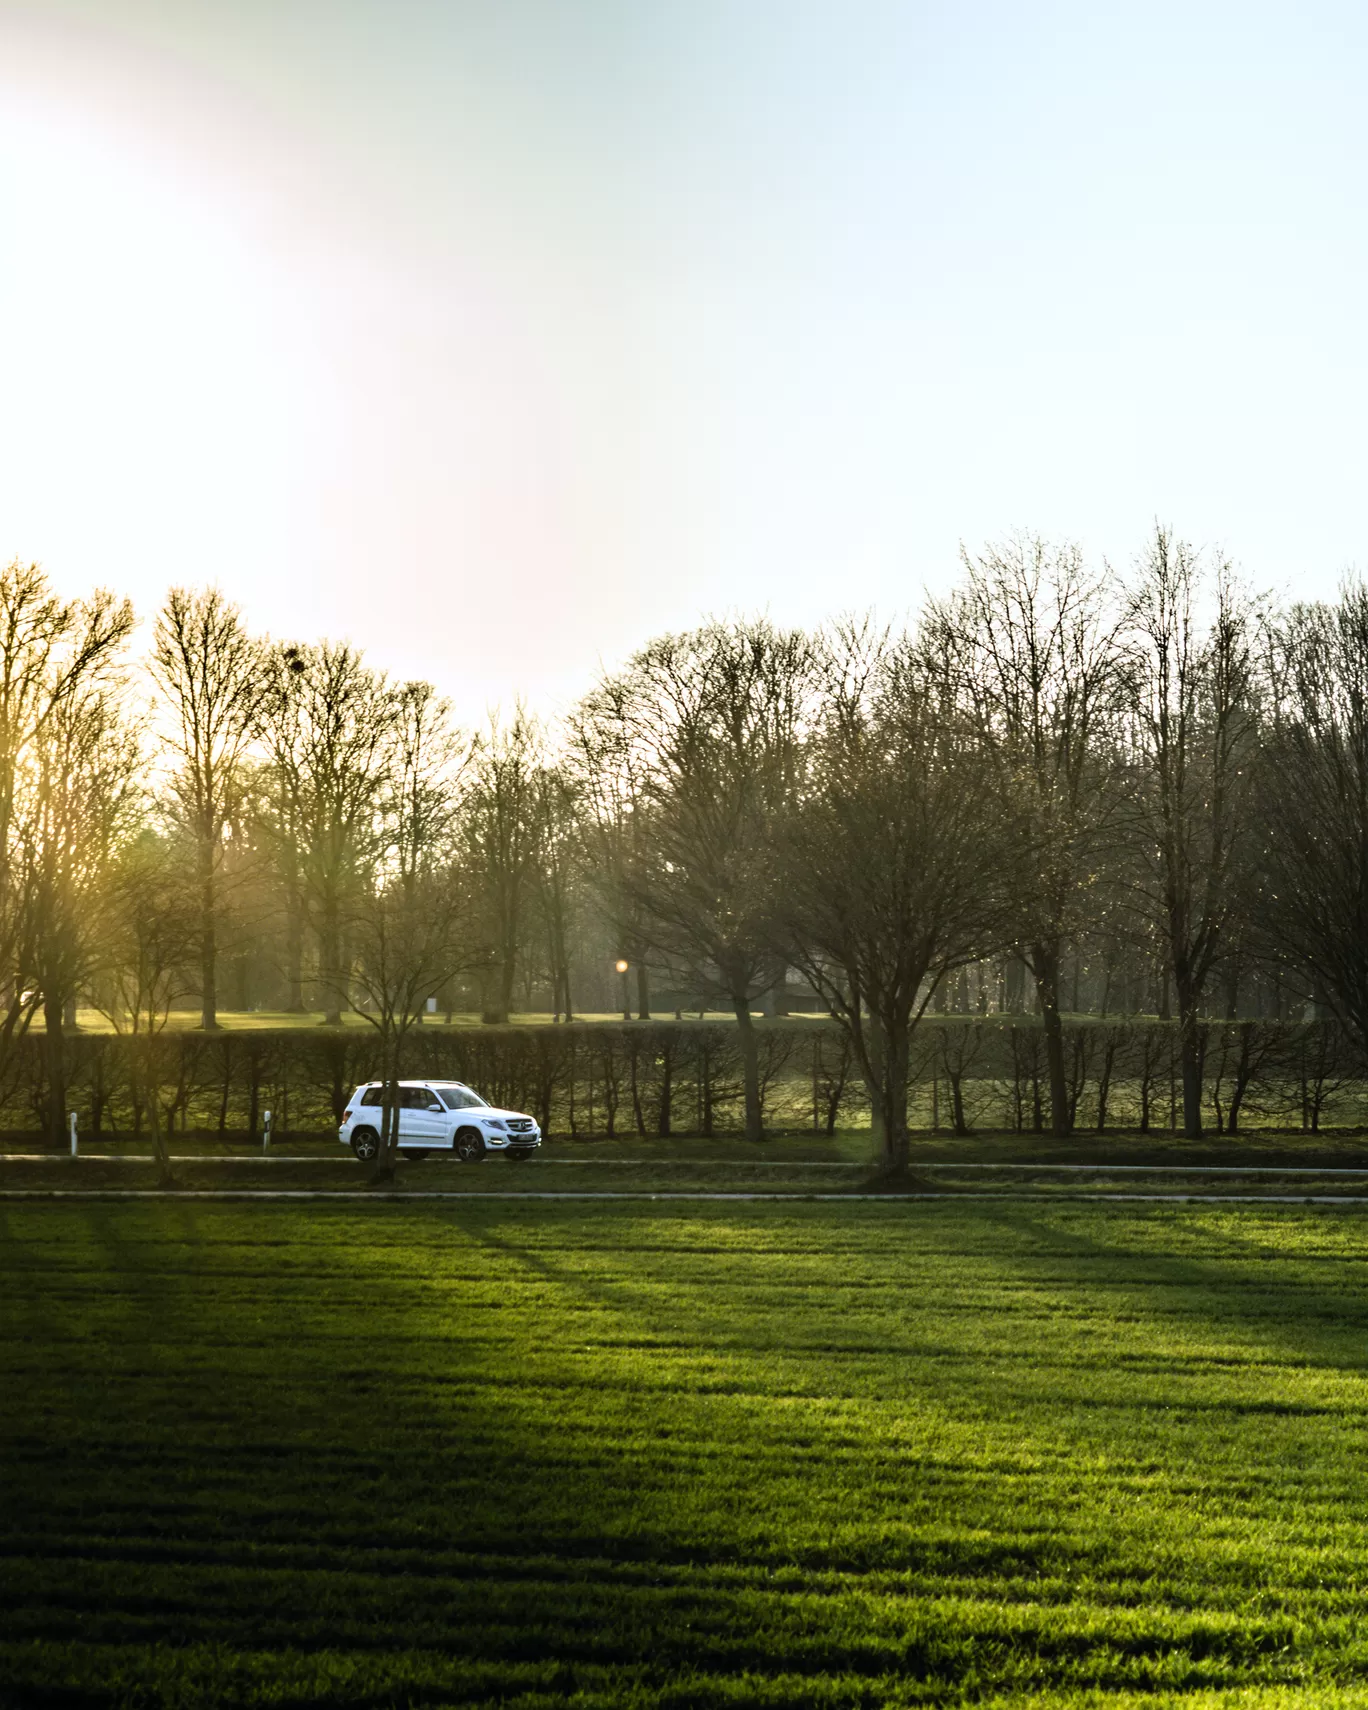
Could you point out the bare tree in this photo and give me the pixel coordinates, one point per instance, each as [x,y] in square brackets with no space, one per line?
[1193,730]
[609,768]
[500,825]
[896,859]
[330,726]
[211,676]
[410,936]
[151,932]
[708,726]
[278,796]
[558,865]
[1031,646]
[422,798]
[409,928]
[1312,907]
[80,799]
[54,654]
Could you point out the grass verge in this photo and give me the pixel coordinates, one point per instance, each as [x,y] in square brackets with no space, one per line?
[780,1454]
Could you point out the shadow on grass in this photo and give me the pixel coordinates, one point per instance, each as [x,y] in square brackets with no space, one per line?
[465,1450]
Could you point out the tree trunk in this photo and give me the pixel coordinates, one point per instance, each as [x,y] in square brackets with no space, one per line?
[878,1127]
[294,954]
[1244,1071]
[884,1055]
[388,1155]
[1190,1056]
[151,1100]
[163,1157]
[750,1066]
[208,942]
[633,1065]
[643,985]
[1045,964]
[958,1121]
[666,1103]
[55,1052]
[496,989]
[329,959]
[895,1052]
[226,1085]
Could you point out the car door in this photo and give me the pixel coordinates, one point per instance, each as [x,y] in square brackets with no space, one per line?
[423,1120]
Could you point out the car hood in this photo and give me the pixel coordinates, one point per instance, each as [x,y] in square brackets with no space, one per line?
[486,1111]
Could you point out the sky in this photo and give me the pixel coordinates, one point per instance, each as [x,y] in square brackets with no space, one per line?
[496,337]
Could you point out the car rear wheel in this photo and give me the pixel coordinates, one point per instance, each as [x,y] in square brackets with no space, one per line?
[470,1146]
[365,1142]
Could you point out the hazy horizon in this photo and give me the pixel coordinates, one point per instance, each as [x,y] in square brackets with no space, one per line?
[496,338]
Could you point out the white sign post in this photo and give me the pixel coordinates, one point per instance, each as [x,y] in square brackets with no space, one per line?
[266,1131]
[71,1123]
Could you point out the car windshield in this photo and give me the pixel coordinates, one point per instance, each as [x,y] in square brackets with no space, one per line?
[460,1098]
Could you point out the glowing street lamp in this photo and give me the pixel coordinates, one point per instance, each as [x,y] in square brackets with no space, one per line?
[622,966]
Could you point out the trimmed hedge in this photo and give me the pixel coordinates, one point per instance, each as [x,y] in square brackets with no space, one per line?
[662,1078]
[653,1078]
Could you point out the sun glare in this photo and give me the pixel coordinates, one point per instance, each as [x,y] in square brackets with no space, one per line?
[137,325]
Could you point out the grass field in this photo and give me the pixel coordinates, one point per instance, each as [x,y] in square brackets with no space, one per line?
[775,1454]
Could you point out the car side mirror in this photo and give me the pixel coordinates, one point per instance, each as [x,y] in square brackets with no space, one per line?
[436,1105]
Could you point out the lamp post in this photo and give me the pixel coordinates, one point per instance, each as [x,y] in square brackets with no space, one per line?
[622,966]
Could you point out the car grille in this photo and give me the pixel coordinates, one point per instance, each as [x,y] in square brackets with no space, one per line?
[520,1125]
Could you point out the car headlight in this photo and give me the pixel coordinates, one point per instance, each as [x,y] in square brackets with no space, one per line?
[494,1122]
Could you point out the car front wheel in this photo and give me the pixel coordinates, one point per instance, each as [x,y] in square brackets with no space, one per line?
[365,1142]
[470,1146]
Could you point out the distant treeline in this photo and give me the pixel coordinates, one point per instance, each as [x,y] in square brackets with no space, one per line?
[685,1078]
[1058,790]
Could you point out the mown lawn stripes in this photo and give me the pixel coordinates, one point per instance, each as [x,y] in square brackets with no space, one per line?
[666,1454]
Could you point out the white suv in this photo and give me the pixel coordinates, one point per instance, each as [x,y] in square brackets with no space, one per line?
[438,1116]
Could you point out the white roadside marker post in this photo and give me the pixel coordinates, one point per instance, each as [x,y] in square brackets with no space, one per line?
[71,1123]
[266,1131]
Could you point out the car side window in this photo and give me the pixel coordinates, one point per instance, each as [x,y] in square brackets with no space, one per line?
[372,1096]
[461,1098]
[413,1098]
